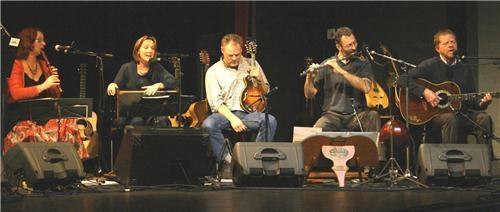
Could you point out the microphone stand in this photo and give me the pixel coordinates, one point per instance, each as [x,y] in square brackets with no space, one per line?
[265,98]
[393,172]
[356,114]
[100,104]
[175,60]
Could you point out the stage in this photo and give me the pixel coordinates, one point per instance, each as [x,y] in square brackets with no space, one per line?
[381,196]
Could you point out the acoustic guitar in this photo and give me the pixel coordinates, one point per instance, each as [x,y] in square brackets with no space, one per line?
[87,126]
[420,112]
[198,111]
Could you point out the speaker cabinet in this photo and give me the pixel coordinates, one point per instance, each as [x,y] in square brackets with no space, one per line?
[268,164]
[454,164]
[156,156]
[42,165]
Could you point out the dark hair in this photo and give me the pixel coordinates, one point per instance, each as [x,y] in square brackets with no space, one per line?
[444,31]
[342,31]
[231,37]
[28,37]
[138,44]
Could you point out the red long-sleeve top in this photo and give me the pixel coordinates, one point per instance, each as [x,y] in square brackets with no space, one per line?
[17,90]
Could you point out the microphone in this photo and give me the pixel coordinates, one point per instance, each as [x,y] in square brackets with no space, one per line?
[271,91]
[457,56]
[367,52]
[60,48]
[155,60]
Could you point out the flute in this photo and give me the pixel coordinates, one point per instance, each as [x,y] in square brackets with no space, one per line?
[48,64]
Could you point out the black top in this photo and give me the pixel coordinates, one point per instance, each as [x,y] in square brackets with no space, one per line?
[128,79]
[28,82]
[436,71]
[338,91]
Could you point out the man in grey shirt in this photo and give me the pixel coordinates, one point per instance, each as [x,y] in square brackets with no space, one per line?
[345,79]
[225,83]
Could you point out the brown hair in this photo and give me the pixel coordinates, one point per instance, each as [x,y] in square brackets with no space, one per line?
[28,37]
[231,37]
[444,31]
[342,31]
[138,44]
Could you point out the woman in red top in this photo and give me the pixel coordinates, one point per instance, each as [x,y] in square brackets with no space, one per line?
[31,78]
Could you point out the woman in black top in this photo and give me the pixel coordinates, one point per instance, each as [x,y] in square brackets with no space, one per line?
[141,74]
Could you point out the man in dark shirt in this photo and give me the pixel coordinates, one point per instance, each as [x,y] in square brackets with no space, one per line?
[345,79]
[447,67]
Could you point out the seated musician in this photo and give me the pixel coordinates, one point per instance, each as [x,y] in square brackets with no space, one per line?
[141,74]
[447,67]
[32,78]
[224,84]
[345,81]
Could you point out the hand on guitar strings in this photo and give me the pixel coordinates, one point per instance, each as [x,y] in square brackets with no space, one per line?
[254,72]
[431,97]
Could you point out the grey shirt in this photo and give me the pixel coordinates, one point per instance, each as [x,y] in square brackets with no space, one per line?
[338,91]
[224,85]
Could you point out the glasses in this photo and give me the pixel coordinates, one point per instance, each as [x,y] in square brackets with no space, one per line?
[41,41]
[351,45]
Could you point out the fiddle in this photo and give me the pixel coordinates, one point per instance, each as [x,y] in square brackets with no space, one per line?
[44,56]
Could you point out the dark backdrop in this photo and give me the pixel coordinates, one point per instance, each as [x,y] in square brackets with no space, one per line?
[286,33]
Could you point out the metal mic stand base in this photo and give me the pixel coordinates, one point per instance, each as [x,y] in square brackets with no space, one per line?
[394,172]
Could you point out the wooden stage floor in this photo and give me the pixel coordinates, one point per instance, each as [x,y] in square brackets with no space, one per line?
[381,196]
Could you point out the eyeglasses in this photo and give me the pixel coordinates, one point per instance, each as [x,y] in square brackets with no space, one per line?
[41,41]
[351,45]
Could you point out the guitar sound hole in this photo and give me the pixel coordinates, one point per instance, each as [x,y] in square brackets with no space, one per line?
[444,99]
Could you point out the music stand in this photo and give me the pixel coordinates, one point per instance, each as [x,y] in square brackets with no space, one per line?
[134,103]
[163,105]
[48,108]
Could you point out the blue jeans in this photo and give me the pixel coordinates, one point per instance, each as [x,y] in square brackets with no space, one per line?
[216,122]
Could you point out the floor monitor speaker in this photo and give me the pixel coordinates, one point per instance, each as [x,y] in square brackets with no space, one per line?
[157,156]
[42,165]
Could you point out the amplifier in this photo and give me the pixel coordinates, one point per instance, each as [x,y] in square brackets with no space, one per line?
[154,156]
[454,163]
[268,164]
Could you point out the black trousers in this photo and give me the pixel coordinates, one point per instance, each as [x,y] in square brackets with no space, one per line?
[453,128]
[331,121]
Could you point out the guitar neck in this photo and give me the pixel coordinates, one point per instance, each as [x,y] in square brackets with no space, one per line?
[471,96]
[83,80]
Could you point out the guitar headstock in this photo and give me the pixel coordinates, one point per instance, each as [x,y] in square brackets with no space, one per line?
[176,65]
[385,50]
[204,57]
[251,46]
